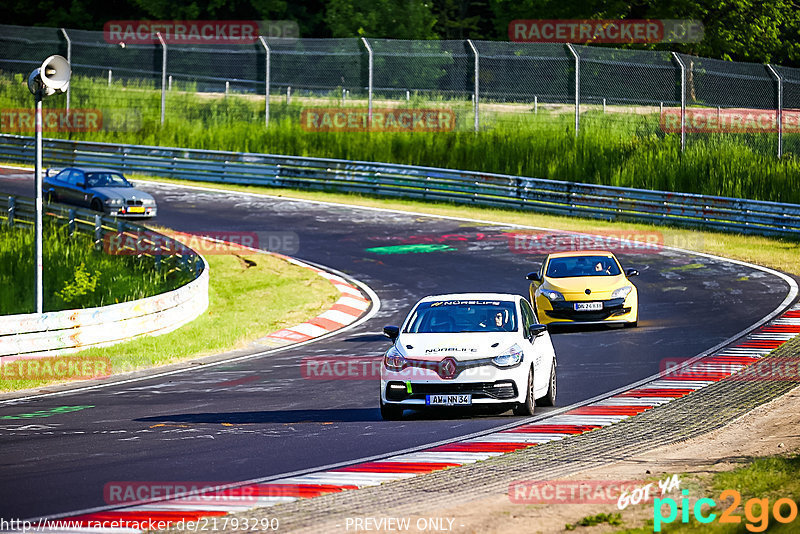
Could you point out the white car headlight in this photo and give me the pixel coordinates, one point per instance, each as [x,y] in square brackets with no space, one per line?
[113,202]
[513,356]
[621,292]
[394,361]
[551,295]
[148,202]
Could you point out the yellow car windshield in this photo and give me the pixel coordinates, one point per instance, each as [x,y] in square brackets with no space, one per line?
[582,266]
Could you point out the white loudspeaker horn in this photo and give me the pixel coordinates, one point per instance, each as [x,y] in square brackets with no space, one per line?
[52,77]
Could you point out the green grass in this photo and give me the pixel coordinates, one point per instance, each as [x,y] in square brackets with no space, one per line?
[770,478]
[250,296]
[75,274]
[621,149]
[597,519]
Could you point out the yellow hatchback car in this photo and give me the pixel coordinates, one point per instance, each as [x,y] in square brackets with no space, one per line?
[586,287]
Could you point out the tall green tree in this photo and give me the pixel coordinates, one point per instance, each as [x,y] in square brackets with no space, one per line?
[308,14]
[391,19]
[740,30]
[765,31]
[464,19]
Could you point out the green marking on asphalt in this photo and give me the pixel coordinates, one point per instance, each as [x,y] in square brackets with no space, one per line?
[411,249]
[687,267]
[47,413]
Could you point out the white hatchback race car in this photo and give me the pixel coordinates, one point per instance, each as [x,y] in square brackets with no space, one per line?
[468,349]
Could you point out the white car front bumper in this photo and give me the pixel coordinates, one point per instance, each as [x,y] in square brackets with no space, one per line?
[487,384]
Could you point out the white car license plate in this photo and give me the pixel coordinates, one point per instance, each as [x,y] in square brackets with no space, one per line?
[448,400]
[588,306]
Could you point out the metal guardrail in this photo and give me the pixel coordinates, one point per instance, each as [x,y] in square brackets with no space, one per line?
[125,237]
[60,332]
[385,179]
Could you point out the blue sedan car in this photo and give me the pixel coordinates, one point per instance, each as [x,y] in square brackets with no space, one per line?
[100,189]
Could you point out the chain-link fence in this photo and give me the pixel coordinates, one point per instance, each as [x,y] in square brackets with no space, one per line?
[486,84]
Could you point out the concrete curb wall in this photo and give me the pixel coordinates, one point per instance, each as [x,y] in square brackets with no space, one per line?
[63,332]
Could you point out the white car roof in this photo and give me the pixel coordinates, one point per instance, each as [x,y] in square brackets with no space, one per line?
[472,296]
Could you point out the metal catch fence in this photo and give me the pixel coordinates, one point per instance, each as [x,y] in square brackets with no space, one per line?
[393,180]
[485,82]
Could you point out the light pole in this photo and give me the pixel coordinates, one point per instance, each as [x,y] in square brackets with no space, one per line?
[52,77]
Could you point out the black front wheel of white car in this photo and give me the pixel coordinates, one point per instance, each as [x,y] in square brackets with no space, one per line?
[391,412]
[527,407]
[550,398]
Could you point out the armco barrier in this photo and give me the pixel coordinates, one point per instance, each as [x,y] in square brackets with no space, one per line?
[385,179]
[62,332]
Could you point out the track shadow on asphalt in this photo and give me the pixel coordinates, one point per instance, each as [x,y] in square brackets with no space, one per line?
[567,328]
[369,338]
[282,416]
[354,415]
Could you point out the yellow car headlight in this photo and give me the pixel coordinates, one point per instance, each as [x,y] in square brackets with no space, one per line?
[621,292]
[551,295]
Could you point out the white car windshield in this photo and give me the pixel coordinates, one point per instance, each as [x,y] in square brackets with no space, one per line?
[453,316]
[106,179]
[582,266]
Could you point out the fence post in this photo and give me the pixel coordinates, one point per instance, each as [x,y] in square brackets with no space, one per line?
[266,78]
[69,60]
[577,87]
[12,209]
[477,83]
[779,78]
[71,222]
[683,99]
[163,74]
[369,80]
[98,232]
[157,258]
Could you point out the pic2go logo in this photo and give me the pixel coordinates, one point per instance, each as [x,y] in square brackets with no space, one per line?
[756,511]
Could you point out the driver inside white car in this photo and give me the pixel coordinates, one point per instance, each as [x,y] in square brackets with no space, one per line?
[496,321]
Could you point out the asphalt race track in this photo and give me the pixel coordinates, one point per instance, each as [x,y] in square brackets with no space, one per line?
[260,417]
